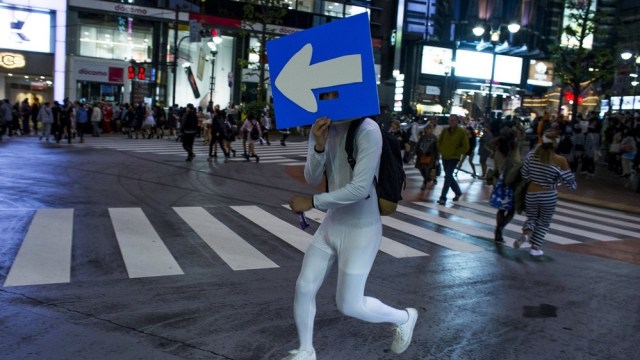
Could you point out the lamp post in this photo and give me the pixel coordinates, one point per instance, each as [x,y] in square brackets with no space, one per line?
[213,47]
[494,38]
[627,55]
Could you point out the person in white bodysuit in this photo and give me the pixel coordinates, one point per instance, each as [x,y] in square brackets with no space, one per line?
[350,233]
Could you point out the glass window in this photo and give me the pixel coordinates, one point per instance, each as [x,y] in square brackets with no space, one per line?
[341,10]
[110,42]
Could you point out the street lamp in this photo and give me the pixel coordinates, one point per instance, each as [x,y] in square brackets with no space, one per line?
[213,47]
[494,38]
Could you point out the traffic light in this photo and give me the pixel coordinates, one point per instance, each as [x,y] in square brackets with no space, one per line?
[141,73]
[131,73]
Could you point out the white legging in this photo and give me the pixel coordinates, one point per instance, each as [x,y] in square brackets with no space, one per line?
[356,250]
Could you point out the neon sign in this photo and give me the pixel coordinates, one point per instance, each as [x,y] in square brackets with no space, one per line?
[12,61]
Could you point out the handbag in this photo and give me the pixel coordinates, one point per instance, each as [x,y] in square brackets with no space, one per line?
[425,159]
[502,195]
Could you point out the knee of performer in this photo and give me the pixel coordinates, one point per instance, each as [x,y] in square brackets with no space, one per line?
[304,288]
[349,308]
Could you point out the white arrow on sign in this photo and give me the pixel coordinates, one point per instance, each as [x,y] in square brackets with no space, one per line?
[298,77]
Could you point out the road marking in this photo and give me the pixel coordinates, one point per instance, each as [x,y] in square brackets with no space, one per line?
[608,213]
[492,221]
[233,249]
[554,226]
[143,251]
[292,235]
[391,247]
[45,254]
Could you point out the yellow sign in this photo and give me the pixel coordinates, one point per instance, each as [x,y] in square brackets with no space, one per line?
[11,61]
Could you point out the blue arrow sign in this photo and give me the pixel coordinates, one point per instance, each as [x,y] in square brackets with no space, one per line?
[324,71]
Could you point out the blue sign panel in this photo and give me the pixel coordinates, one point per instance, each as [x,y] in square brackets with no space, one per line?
[324,71]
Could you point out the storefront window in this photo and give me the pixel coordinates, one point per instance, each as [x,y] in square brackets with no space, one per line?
[111,43]
[342,10]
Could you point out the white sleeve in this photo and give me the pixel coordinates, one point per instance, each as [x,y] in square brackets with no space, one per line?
[367,153]
[314,167]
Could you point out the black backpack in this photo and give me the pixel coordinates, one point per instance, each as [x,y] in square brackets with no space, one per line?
[255,133]
[391,179]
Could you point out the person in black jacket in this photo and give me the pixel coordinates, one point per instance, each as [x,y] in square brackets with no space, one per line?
[217,133]
[189,129]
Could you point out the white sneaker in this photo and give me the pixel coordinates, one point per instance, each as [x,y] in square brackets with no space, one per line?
[402,333]
[300,355]
[536,252]
[521,240]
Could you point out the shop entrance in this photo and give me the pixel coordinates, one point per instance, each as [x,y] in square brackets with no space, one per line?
[90,92]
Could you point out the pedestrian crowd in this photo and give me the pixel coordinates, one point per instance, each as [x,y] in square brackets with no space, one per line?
[66,121]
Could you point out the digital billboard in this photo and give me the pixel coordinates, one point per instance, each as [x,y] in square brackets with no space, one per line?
[477,65]
[435,60]
[25,29]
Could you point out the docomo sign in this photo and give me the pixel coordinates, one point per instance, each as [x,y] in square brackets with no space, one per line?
[99,73]
[130,10]
[11,60]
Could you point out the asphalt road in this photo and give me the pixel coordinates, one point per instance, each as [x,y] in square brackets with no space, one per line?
[480,303]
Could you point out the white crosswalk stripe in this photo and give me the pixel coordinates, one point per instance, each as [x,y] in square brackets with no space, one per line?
[44,256]
[292,154]
[234,250]
[143,251]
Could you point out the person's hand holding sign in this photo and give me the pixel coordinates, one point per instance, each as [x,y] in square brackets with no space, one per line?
[320,130]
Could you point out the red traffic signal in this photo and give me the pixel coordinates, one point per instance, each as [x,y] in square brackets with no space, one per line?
[141,73]
[131,73]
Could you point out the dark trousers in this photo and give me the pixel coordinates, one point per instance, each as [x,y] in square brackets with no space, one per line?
[187,142]
[81,128]
[449,181]
[25,124]
[216,139]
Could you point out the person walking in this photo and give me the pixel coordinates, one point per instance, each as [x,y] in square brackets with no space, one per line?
[350,235]
[216,133]
[25,114]
[452,144]
[266,127]
[189,129]
[473,140]
[96,117]
[427,157]
[45,116]
[506,159]
[82,119]
[544,170]
[251,127]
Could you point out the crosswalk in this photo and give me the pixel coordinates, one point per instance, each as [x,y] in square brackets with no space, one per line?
[417,230]
[294,153]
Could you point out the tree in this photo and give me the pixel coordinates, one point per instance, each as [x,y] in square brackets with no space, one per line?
[258,16]
[576,65]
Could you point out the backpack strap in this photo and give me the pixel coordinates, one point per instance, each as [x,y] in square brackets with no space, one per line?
[350,142]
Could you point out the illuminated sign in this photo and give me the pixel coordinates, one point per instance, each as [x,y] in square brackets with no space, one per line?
[540,73]
[12,61]
[477,65]
[25,30]
[436,60]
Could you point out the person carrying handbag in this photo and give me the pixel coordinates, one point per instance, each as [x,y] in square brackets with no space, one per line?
[506,157]
[427,157]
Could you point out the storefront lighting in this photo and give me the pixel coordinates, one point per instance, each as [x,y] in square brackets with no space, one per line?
[26,77]
[41,77]
[400,83]
[49,82]
[399,90]
[633,75]
[513,27]
[10,74]
[626,55]
[400,77]
[495,35]
[398,97]
[634,83]
[478,30]
[396,73]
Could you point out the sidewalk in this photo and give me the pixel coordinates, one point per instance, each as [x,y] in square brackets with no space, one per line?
[605,189]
